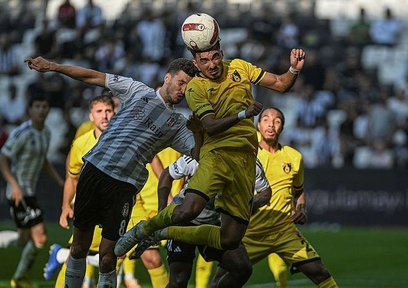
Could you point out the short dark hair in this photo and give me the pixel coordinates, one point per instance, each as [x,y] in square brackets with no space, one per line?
[107,99]
[276,109]
[182,64]
[217,46]
[37,97]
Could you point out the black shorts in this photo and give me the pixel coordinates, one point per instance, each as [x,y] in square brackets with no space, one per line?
[103,200]
[27,214]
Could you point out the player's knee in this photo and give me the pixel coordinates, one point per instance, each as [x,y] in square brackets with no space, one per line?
[152,262]
[78,251]
[185,213]
[230,243]
[315,271]
[40,241]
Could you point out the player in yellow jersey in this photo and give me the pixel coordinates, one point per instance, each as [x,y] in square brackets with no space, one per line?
[220,96]
[101,110]
[273,228]
[89,125]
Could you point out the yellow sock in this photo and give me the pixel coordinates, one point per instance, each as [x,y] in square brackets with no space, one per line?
[119,263]
[161,220]
[159,277]
[90,271]
[60,282]
[328,283]
[200,235]
[203,272]
[129,266]
[279,270]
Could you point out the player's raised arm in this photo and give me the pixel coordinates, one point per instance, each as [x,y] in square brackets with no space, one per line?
[88,76]
[284,82]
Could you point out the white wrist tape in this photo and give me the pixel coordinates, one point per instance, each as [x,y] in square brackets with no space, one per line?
[241,115]
[293,70]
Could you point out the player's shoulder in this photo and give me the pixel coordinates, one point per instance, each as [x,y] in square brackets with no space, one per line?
[291,152]
[84,138]
[236,62]
[21,130]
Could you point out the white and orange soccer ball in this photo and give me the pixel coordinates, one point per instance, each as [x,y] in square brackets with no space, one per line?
[200,32]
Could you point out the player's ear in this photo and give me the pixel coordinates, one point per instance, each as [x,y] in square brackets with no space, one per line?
[167,78]
[91,117]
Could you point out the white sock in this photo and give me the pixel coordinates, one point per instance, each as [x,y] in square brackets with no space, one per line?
[8,238]
[62,255]
[93,260]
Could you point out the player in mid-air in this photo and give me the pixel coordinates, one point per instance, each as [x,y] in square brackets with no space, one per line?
[22,158]
[220,96]
[180,254]
[114,170]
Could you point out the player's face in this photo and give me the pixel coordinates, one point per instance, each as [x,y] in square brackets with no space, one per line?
[39,111]
[209,63]
[270,125]
[175,87]
[101,113]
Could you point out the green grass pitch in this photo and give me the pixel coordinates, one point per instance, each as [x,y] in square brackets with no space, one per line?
[357,257]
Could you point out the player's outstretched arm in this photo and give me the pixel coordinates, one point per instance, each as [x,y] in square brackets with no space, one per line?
[88,76]
[284,82]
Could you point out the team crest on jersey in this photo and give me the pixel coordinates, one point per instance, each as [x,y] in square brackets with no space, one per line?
[116,78]
[139,113]
[235,76]
[171,121]
[287,167]
[125,210]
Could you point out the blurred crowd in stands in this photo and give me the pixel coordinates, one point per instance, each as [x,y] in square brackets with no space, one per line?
[348,109]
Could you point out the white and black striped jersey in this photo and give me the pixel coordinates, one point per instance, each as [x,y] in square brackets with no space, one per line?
[27,149]
[186,166]
[144,126]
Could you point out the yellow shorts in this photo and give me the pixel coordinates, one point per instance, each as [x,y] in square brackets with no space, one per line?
[96,240]
[288,243]
[140,212]
[230,178]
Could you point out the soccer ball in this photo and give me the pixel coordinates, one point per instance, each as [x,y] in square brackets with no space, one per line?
[200,32]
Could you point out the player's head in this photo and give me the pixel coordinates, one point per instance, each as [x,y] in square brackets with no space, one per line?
[38,108]
[209,62]
[179,73]
[270,124]
[115,99]
[101,110]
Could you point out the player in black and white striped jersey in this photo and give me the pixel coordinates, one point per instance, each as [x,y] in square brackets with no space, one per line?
[22,158]
[114,170]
